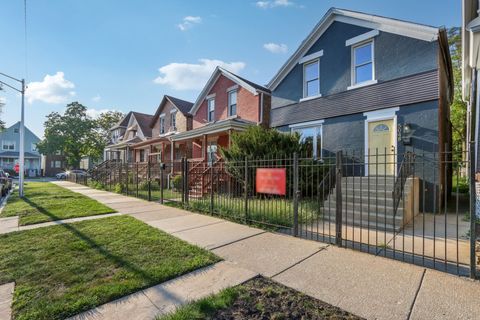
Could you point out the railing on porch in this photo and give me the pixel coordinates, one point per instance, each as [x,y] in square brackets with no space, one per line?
[405,171]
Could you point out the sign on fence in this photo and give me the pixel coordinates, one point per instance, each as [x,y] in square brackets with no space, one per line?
[271,181]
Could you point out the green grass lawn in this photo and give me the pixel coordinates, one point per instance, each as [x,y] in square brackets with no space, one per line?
[46,201]
[62,270]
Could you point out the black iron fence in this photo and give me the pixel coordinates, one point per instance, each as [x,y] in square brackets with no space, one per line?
[415,207]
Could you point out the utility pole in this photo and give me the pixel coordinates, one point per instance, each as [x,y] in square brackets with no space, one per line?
[21,159]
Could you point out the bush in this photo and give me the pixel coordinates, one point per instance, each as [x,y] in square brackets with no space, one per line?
[96,185]
[177,182]
[118,188]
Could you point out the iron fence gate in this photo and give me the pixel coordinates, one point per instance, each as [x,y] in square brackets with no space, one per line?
[416,206]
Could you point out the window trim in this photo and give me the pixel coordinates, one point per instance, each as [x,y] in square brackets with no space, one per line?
[162,124]
[305,64]
[230,104]
[10,142]
[208,110]
[353,67]
[318,126]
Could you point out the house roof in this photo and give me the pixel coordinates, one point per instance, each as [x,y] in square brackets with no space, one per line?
[143,121]
[182,105]
[248,85]
[214,127]
[15,154]
[404,28]
[124,122]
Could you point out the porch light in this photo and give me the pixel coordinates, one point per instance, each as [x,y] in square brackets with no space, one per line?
[407,133]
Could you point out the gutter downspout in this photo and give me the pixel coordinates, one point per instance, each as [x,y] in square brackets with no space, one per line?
[261,108]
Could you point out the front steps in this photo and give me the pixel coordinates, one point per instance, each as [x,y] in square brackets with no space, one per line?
[367,202]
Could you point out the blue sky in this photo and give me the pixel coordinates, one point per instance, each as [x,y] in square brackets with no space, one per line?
[125,55]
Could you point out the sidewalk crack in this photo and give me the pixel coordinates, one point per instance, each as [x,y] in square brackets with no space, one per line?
[416,294]
[300,261]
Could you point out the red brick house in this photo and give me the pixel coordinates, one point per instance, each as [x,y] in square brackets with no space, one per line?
[171,118]
[227,103]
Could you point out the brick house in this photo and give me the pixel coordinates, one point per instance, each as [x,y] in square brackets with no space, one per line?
[171,118]
[227,103]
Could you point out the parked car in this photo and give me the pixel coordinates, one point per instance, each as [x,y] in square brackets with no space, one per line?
[77,172]
[61,175]
[4,183]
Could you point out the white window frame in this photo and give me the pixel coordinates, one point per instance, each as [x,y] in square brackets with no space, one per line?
[353,68]
[318,126]
[173,120]
[34,147]
[305,64]
[9,143]
[209,111]
[230,103]
[162,124]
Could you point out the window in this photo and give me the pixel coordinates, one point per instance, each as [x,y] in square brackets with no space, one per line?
[16,130]
[173,120]
[162,125]
[8,145]
[34,147]
[232,103]
[311,79]
[211,110]
[58,164]
[142,155]
[362,63]
[311,137]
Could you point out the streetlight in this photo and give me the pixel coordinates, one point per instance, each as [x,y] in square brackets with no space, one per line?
[22,128]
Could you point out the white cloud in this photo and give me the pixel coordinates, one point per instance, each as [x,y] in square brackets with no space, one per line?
[96,98]
[94,113]
[53,89]
[191,76]
[188,22]
[274,3]
[276,47]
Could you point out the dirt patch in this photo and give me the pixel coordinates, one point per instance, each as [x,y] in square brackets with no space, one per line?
[261,298]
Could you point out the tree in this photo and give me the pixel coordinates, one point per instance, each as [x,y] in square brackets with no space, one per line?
[71,133]
[103,123]
[458,109]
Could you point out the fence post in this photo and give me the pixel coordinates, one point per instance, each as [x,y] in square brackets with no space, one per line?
[473,231]
[211,187]
[128,178]
[149,183]
[183,178]
[186,187]
[136,181]
[161,182]
[295,194]
[246,190]
[338,199]
[120,176]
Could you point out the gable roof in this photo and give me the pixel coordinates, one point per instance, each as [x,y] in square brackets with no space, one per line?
[123,122]
[404,28]
[182,105]
[248,85]
[17,126]
[143,121]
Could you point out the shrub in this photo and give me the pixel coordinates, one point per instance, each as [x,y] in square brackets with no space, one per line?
[177,182]
[118,188]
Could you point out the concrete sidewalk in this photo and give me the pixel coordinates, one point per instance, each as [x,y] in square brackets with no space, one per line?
[366,285]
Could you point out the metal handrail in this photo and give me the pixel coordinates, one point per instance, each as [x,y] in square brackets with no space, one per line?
[405,170]
[330,179]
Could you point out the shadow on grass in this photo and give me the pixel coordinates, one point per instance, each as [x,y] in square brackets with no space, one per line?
[119,261]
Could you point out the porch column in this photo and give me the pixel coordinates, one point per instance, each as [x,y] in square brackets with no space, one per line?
[229,138]
[162,156]
[205,140]
[172,154]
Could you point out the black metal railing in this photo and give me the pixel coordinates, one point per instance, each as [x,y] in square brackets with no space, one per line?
[399,206]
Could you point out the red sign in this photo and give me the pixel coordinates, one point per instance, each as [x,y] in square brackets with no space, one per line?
[271,181]
[16,168]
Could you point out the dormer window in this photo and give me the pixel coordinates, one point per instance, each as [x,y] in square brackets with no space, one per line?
[311,79]
[362,68]
[211,110]
[232,103]
[162,124]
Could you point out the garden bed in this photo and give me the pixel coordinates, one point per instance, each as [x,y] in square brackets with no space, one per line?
[60,271]
[45,201]
[259,298]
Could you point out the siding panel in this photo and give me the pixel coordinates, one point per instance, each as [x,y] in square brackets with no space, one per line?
[408,90]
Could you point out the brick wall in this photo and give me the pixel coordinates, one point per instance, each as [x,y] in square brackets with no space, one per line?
[248,104]
[181,121]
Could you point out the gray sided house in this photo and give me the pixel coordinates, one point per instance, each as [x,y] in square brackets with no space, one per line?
[10,146]
[361,83]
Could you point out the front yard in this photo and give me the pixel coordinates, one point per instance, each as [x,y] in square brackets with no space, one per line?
[46,201]
[62,270]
